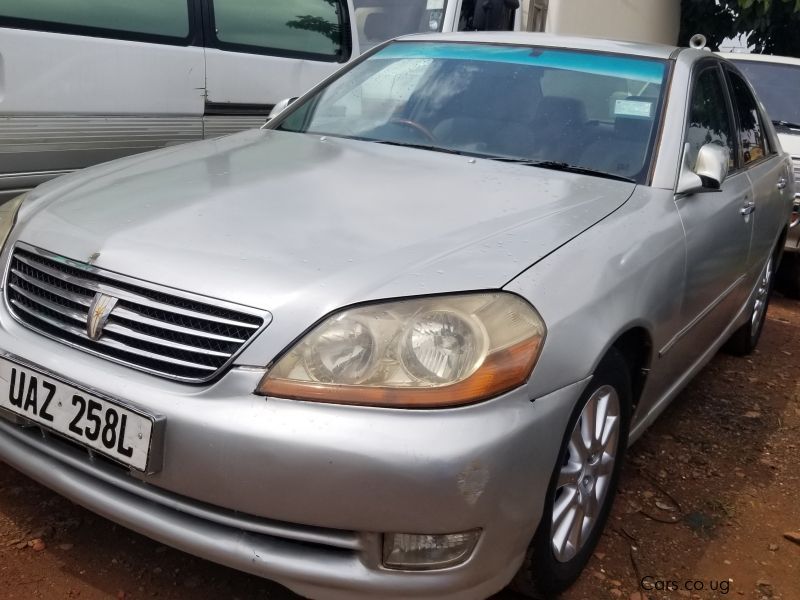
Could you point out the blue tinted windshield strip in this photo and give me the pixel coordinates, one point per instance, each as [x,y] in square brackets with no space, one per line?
[640,69]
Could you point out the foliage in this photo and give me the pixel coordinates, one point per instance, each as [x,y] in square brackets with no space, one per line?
[320,25]
[772,26]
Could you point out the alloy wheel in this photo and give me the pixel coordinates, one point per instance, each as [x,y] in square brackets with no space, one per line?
[585,477]
[762,297]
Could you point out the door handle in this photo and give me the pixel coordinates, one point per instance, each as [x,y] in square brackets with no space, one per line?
[782,183]
[748,208]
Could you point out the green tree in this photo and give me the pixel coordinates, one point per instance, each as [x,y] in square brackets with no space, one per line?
[772,26]
[322,25]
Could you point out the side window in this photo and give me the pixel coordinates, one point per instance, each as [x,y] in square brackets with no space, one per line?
[304,28]
[103,18]
[750,130]
[709,117]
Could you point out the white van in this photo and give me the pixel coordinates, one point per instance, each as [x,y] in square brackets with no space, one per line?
[87,81]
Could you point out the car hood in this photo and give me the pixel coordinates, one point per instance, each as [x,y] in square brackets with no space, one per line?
[263,218]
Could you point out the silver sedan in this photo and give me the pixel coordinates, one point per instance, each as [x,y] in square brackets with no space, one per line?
[395,343]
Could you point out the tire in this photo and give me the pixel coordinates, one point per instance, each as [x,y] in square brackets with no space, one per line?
[551,566]
[745,339]
[787,280]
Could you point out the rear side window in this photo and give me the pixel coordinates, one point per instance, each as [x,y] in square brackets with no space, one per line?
[751,132]
[304,28]
[103,18]
[709,117]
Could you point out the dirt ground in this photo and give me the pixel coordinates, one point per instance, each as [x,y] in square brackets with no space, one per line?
[705,499]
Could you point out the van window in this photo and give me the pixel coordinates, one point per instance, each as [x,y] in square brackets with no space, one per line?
[381,20]
[161,18]
[312,28]
[776,86]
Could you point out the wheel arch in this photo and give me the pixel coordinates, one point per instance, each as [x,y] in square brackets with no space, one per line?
[635,345]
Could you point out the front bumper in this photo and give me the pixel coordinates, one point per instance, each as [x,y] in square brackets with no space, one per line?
[301,493]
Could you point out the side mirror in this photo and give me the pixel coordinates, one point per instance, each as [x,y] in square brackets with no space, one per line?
[709,171]
[280,107]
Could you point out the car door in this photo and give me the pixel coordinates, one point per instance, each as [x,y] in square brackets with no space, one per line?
[717,224]
[90,81]
[259,53]
[767,170]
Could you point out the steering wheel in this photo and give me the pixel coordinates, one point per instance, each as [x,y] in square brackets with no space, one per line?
[415,126]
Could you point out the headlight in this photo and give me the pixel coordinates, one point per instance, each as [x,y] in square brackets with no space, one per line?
[421,353]
[8,216]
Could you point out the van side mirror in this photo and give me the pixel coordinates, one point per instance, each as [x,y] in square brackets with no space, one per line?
[709,171]
[280,107]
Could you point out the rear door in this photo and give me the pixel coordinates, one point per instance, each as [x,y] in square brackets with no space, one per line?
[90,81]
[259,52]
[768,172]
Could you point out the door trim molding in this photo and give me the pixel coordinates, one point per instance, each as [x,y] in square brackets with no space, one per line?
[682,333]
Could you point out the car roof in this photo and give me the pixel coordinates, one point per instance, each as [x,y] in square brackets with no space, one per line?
[554,41]
[770,58]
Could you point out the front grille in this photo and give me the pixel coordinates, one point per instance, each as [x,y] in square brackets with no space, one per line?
[796,163]
[151,328]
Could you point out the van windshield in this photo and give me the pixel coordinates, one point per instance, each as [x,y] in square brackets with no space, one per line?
[588,110]
[381,20]
[777,87]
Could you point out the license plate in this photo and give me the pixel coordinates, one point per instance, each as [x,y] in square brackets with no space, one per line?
[118,432]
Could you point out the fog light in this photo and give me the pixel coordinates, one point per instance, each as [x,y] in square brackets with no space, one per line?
[411,551]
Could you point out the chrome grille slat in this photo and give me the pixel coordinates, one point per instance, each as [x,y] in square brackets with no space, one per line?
[132,315]
[124,313]
[62,310]
[123,295]
[151,328]
[108,342]
[112,327]
[130,333]
[76,298]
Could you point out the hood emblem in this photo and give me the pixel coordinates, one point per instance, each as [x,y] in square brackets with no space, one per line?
[99,311]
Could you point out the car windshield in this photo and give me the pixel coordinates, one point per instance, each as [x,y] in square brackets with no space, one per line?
[778,87]
[381,20]
[549,106]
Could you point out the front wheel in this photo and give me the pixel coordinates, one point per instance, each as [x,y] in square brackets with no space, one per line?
[583,484]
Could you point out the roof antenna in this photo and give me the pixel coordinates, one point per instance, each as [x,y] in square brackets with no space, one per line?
[698,42]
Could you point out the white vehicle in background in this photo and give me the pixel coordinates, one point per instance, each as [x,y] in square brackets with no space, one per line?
[777,83]
[87,82]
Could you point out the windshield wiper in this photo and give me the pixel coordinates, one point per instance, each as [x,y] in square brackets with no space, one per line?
[427,147]
[566,167]
[786,124]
